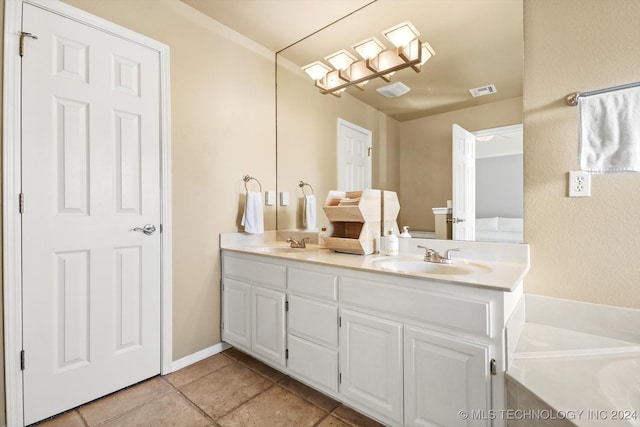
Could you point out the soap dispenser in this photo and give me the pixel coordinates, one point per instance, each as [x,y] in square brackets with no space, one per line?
[392,244]
[405,232]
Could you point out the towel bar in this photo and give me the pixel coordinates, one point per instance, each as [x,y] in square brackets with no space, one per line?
[572,99]
[303,184]
[248,178]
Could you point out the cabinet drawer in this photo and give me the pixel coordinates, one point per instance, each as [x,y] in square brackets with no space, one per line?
[264,273]
[436,308]
[313,320]
[313,362]
[313,283]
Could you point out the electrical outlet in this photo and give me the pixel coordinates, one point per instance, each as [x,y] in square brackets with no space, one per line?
[579,184]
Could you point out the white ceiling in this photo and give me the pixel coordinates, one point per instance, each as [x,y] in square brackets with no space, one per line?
[276,24]
[477,42]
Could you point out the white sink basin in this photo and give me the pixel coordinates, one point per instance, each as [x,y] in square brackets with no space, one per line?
[414,266]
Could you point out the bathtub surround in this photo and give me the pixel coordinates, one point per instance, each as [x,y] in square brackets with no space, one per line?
[577,358]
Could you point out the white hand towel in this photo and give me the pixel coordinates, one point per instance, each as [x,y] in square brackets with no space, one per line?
[609,126]
[309,212]
[253,219]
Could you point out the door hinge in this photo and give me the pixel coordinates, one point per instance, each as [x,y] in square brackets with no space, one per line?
[21,203]
[492,366]
[339,321]
[340,378]
[160,228]
[22,37]
[22,360]
[286,306]
[369,150]
[286,354]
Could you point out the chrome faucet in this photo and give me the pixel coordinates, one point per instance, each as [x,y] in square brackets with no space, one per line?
[433,256]
[293,243]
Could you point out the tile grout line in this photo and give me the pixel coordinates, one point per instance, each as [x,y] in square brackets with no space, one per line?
[77,409]
[193,404]
[84,421]
[236,361]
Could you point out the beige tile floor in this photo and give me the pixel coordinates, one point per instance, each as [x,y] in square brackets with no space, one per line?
[228,389]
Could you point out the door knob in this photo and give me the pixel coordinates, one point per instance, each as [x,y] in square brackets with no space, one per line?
[148,229]
[455,220]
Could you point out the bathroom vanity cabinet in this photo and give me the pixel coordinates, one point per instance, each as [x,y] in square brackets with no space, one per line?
[405,351]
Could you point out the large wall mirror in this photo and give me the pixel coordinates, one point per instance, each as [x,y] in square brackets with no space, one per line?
[477,43]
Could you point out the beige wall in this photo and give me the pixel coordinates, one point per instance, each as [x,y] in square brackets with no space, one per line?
[307,129]
[425,157]
[581,248]
[223,111]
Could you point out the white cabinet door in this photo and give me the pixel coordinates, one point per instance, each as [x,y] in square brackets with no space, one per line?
[371,363]
[313,363]
[236,311]
[313,320]
[268,338]
[312,341]
[443,376]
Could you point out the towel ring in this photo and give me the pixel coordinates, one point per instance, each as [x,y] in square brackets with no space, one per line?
[248,178]
[303,184]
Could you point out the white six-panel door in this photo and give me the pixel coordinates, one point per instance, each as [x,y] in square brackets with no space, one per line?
[91,164]
[464,184]
[354,157]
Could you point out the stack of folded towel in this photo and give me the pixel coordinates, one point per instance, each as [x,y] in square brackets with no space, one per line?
[349,202]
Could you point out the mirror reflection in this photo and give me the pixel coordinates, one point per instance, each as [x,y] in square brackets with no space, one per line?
[477,44]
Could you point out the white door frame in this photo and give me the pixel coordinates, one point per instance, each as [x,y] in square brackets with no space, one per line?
[11,183]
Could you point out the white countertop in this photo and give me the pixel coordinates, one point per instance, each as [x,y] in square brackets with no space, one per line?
[498,267]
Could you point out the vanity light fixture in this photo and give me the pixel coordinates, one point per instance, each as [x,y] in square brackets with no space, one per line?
[427,52]
[316,70]
[369,48]
[377,60]
[401,34]
[340,60]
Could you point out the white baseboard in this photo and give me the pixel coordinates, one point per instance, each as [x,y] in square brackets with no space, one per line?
[198,356]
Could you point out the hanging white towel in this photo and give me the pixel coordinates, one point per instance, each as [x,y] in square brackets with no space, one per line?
[309,212]
[609,126]
[253,219]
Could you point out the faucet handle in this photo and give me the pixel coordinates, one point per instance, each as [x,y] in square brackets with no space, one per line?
[429,250]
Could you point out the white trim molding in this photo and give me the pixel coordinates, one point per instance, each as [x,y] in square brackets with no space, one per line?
[11,174]
[199,355]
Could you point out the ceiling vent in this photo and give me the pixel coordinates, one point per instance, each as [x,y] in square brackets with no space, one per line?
[393,90]
[482,91]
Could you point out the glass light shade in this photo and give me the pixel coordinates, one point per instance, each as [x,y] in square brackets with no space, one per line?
[401,34]
[427,52]
[369,48]
[316,70]
[340,60]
